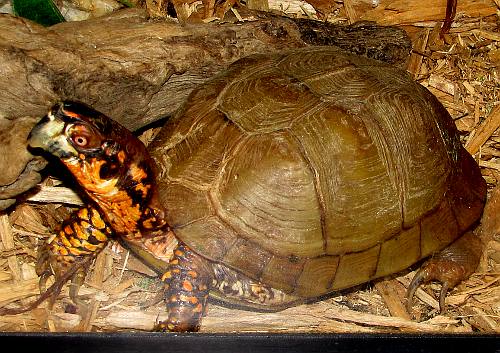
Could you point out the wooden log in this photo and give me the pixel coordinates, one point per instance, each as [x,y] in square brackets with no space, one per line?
[319,317]
[138,70]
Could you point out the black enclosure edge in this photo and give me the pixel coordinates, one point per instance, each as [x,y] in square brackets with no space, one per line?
[234,343]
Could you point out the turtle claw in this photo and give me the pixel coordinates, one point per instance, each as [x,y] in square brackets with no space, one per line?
[416,282]
[63,269]
[44,270]
[449,267]
[42,284]
[425,275]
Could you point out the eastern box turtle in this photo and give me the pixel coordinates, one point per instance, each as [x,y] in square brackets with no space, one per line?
[286,177]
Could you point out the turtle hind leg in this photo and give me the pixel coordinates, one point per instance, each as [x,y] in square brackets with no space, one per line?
[235,290]
[449,267]
[187,284]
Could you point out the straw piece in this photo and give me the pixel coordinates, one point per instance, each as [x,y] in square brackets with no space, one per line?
[391,12]
[419,45]
[10,292]
[487,35]
[8,244]
[442,84]
[350,11]
[483,133]
[56,194]
[482,320]
[393,294]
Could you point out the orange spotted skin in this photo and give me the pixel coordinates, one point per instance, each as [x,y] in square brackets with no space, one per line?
[123,201]
[121,185]
[83,233]
[115,173]
[186,291]
[118,178]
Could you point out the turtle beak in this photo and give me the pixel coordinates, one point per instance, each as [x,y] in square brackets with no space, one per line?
[49,135]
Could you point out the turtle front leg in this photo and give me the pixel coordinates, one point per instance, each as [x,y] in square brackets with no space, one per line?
[187,283]
[67,256]
[450,267]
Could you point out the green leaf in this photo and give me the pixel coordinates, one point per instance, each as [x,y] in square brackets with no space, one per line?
[43,12]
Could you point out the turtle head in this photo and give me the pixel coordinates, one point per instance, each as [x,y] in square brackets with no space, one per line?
[112,165]
[72,130]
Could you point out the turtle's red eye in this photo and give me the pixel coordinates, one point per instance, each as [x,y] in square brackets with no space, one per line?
[80,140]
[82,136]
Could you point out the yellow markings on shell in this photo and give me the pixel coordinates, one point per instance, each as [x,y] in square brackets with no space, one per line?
[192,274]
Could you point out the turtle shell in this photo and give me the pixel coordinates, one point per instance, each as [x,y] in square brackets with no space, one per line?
[314,170]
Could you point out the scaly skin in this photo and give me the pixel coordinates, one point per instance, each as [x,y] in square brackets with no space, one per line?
[186,291]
